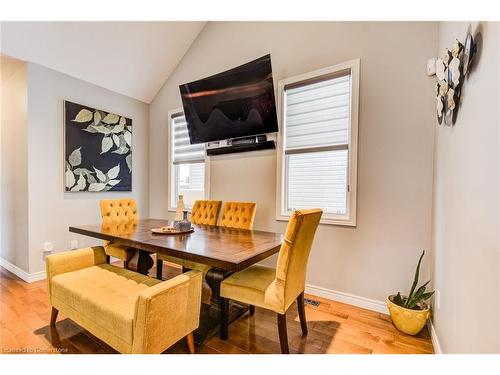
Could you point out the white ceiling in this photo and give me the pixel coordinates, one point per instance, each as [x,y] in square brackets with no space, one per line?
[131,58]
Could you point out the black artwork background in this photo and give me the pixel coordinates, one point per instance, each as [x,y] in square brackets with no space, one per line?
[90,143]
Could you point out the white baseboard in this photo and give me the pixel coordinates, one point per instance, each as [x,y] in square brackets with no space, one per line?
[351,299]
[434,337]
[19,272]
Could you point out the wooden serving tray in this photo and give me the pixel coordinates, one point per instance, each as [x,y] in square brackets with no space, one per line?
[170,230]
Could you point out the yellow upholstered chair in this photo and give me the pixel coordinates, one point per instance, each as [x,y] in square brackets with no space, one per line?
[238,215]
[118,212]
[132,313]
[204,212]
[276,289]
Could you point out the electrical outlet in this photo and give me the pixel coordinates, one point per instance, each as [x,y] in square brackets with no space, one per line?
[74,244]
[48,247]
[437,299]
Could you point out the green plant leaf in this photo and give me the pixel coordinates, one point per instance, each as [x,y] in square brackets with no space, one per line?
[398,300]
[415,299]
[83,116]
[415,280]
[426,296]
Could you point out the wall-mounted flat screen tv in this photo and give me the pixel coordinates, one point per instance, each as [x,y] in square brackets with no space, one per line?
[235,103]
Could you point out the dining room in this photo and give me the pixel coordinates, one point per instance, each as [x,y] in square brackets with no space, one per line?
[230,187]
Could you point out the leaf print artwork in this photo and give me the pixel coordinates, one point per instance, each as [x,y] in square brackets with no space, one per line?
[83,116]
[110,118]
[98,150]
[75,158]
[107,143]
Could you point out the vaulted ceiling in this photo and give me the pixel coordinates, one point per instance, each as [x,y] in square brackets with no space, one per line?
[131,58]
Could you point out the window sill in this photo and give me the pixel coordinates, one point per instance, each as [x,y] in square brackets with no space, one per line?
[326,221]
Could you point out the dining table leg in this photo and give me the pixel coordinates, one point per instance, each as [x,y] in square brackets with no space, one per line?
[210,315]
[140,262]
[214,278]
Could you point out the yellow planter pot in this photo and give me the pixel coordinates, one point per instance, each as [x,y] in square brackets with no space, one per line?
[407,321]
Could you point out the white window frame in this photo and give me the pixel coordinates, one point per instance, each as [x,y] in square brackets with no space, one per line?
[348,219]
[172,206]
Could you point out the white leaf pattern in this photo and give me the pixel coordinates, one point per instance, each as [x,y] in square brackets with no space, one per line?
[106,144]
[113,182]
[97,117]
[128,159]
[83,116]
[97,186]
[110,118]
[70,179]
[102,129]
[80,185]
[128,138]
[100,175]
[116,139]
[121,151]
[117,129]
[75,158]
[113,172]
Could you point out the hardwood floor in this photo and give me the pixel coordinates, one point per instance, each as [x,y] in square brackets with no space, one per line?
[333,328]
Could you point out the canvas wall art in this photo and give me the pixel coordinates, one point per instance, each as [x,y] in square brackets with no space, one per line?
[98,150]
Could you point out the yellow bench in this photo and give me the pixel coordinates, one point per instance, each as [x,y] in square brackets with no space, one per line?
[131,312]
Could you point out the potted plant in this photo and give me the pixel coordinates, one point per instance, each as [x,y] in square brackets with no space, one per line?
[410,313]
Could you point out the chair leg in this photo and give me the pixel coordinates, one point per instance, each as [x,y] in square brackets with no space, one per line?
[251,310]
[53,316]
[224,318]
[190,342]
[283,334]
[159,268]
[302,313]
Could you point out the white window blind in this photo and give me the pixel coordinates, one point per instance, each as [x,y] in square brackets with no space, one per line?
[183,150]
[316,143]
[187,164]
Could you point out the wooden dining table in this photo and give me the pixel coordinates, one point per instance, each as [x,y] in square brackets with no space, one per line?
[225,250]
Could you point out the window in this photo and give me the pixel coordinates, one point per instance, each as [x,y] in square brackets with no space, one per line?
[186,164]
[317,154]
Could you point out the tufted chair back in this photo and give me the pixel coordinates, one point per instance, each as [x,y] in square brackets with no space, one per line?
[118,211]
[293,256]
[205,212]
[238,215]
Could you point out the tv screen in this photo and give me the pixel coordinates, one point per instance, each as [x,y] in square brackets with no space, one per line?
[236,103]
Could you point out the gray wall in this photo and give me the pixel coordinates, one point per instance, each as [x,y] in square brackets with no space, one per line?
[51,210]
[466,223]
[395,142]
[14,163]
